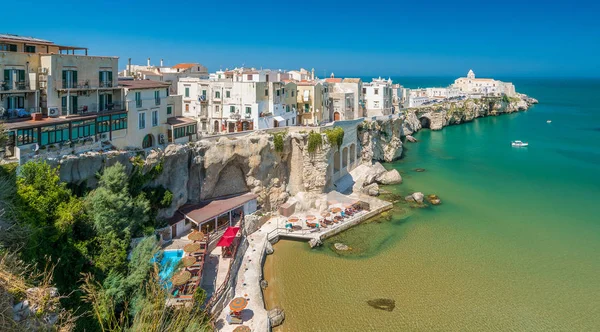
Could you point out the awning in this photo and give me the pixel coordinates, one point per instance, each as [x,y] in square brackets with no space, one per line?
[279,119]
[228,237]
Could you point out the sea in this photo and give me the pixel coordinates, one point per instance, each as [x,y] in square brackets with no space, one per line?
[514,246]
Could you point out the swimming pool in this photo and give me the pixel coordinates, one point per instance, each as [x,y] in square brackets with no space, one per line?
[169,261]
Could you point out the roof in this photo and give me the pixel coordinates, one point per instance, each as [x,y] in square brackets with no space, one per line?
[352,80]
[185,65]
[49,121]
[333,80]
[180,120]
[148,73]
[142,84]
[202,212]
[24,39]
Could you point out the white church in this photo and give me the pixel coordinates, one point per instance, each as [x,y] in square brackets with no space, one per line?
[484,86]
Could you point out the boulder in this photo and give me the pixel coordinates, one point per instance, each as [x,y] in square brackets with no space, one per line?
[276,316]
[419,170]
[341,247]
[269,248]
[382,304]
[373,173]
[371,190]
[315,242]
[264,284]
[409,198]
[411,139]
[390,177]
[418,197]
[434,199]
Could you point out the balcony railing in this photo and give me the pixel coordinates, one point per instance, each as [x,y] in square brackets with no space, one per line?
[17,113]
[92,108]
[83,84]
[14,85]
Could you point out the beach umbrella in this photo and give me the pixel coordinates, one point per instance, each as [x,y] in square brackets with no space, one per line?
[310,217]
[188,261]
[191,247]
[336,210]
[181,278]
[242,328]
[238,304]
[293,219]
[196,236]
[325,214]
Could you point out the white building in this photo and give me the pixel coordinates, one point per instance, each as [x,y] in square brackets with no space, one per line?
[346,86]
[378,96]
[484,86]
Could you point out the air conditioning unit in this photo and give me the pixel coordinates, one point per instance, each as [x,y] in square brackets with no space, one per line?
[53,112]
[161,139]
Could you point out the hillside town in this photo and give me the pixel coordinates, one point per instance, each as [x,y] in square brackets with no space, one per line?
[59,99]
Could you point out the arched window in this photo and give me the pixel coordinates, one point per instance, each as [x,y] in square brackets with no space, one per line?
[345,157]
[148,141]
[218,94]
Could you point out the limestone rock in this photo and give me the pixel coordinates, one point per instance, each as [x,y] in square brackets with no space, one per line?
[269,248]
[418,197]
[373,173]
[251,223]
[276,316]
[382,304]
[390,177]
[315,242]
[409,198]
[411,139]
[434,199]
[371,190]
[341,247]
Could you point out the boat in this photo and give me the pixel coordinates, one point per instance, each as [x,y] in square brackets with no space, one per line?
[549,121]
[519,144]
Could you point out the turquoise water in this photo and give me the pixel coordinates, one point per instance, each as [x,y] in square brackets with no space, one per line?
[514,246]
[168,263]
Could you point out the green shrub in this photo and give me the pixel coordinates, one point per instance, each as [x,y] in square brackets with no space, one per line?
[335,136]
[505,99]
[278,141]
[315,141]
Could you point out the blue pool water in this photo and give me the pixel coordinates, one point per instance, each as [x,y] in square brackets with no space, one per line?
[169,261]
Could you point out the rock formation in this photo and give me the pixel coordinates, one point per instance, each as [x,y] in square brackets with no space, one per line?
[341,247]
[276,316]
[382,304]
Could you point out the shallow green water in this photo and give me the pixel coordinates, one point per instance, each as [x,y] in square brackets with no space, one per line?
[514,246]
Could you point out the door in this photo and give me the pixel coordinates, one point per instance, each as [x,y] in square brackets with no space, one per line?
[336,116]
[216,129]
[174,231]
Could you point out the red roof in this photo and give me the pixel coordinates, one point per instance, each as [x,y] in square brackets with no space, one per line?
[228,237]
[333,80]
[204,211]
[185,65]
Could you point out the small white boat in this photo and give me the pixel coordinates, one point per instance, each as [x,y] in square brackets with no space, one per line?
[549,121]
[519,144]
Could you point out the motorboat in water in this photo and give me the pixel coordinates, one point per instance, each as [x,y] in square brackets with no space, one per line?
[549,121]
[519,144]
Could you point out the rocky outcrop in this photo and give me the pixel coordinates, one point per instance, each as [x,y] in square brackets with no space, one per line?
[315,242]
[340,247]
[381,139]
[434,199]
[269,248]
[276,316]
[390,177]
[382,304]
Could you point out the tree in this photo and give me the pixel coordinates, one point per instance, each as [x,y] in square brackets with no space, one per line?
[112,207]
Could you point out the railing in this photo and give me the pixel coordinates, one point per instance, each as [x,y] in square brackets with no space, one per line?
[14,85]
[217,295]
[92,108]
[83,84]
[17,113]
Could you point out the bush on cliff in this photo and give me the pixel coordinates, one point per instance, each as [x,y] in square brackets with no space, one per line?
[278,141]
[315,141]
[335,136]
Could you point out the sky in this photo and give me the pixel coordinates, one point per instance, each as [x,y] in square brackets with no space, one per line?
[526,38]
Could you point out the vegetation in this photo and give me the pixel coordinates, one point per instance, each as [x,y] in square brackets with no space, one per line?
[278,140]
[505,99]
[81,232]
[335,136]
[315,141]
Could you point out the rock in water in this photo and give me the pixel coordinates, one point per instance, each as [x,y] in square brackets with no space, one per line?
[390,177]
[434,199]
[418,197]
[276,316]
[382,304]
[410,138]
[269,248]
[264,284]
[341,247]
[419,170]
[409,198]
[314,243]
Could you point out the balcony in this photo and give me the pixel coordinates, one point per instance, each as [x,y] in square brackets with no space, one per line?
[14,86]
[83,84]
[93,108]
[16,114]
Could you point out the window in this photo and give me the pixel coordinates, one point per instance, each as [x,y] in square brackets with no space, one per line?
[228,94]
[141,120]
[154,118]
[203,94]
[376,91]
[266,92]
[105,78]
[187,92]
[70,109]
[69,79]
[287,108]
[184,131]
[216,108]
[293,121]
[306,108]
[103,124]
[187,107]
[231,109]
[292,93]
[249,77]
[8,47]
[217,94]
[26,136]
[119,121]
[283,91]
[167,92]
[82,129]
[138,99]
[54,134]
[157,97]
[105,102]
[169,110]
[277,93]
[29,49]
[364,91]
[248,109]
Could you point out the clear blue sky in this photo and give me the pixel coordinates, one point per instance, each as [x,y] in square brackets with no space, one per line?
[396,38]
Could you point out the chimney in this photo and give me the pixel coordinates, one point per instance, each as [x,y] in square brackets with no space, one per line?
[148,62]
[312,75]
[161,62]
[129,67]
